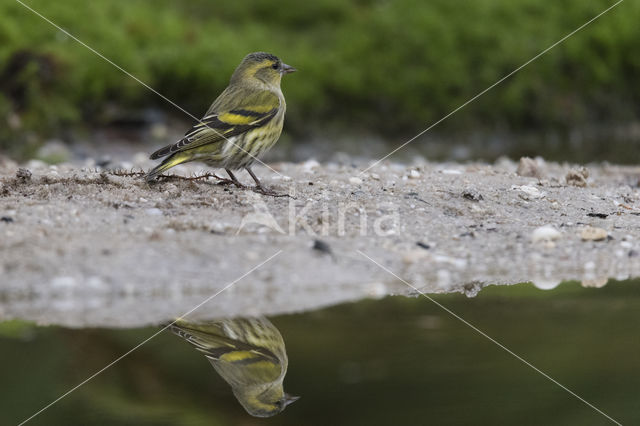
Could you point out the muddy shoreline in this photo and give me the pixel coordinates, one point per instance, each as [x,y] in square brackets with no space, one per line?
[83,246]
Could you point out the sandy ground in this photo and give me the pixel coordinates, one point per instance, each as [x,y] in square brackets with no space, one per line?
[83,246]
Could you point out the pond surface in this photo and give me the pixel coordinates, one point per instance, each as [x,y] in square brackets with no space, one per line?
[397,360]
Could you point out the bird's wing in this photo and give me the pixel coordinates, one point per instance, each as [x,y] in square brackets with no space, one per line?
[236,355]
[236,111]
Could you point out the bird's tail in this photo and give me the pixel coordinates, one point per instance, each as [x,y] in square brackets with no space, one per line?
[167,163]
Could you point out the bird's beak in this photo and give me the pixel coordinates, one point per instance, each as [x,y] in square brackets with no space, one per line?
[288,69]
[290,399]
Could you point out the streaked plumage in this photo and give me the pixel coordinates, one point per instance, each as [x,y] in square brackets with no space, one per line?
[242,123]
[249,354]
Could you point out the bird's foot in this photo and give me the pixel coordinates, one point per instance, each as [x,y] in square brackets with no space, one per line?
[270,192]
[225,181]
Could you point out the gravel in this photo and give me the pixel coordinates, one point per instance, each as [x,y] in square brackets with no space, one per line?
[92,247]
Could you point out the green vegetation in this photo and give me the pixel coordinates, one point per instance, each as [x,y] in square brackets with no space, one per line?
[381,67]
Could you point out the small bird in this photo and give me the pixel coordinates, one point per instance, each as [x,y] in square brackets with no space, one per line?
[242,124]
[249,354]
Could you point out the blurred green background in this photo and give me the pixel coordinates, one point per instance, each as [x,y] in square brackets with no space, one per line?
[393,361]
[369,70]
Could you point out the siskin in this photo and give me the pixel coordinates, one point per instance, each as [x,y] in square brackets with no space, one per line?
[241,125]
[249,354]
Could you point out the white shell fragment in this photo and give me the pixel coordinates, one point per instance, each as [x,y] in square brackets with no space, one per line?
[544,234]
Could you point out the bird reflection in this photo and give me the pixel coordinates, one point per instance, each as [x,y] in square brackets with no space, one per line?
[249,354]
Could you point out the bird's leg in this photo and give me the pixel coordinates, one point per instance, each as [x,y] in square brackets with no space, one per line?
[255,178]
[235,181]
[261,189]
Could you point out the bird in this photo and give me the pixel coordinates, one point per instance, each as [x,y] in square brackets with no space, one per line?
[243,123]
[250,355]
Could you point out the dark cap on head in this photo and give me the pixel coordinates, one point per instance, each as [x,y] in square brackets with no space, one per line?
[261,56]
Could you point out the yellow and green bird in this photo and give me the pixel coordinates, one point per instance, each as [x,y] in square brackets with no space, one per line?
[242,124]
[249,354]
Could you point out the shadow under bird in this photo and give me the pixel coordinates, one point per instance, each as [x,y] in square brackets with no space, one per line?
[243,123]
[249,354]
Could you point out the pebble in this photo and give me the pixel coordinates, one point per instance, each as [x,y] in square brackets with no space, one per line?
[139,158]
[377,290]
[36,164]
[309,165]
[591,233]
[472,195]
[54,151]
[321,246]
[545,234]
[414,174]
[171,189]
[577,177]
[594,282]
[355,180]
[528,167]
[546,284]
[24,174]
[529,192]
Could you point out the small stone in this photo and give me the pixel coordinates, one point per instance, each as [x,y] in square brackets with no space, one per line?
[23,174]
[529,192]
[577,177]
[34,164]
[377,290]
[355,180]
[139,159]
[595,282]
[591,233]
[545,234]
[528,167]
[171,189]
[321,246]
[54,151]
[310,165]
[6,219]
[414,174]
[472,195]
[546,284]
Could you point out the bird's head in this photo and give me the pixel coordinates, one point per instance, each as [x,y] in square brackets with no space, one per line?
[267,402]
[261,68]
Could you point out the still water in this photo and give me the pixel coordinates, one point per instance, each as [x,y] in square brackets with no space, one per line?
[397,360]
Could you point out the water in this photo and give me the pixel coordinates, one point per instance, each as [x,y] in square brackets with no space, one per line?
[397,360]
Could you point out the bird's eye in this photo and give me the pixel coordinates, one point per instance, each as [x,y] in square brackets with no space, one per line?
[275,66]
